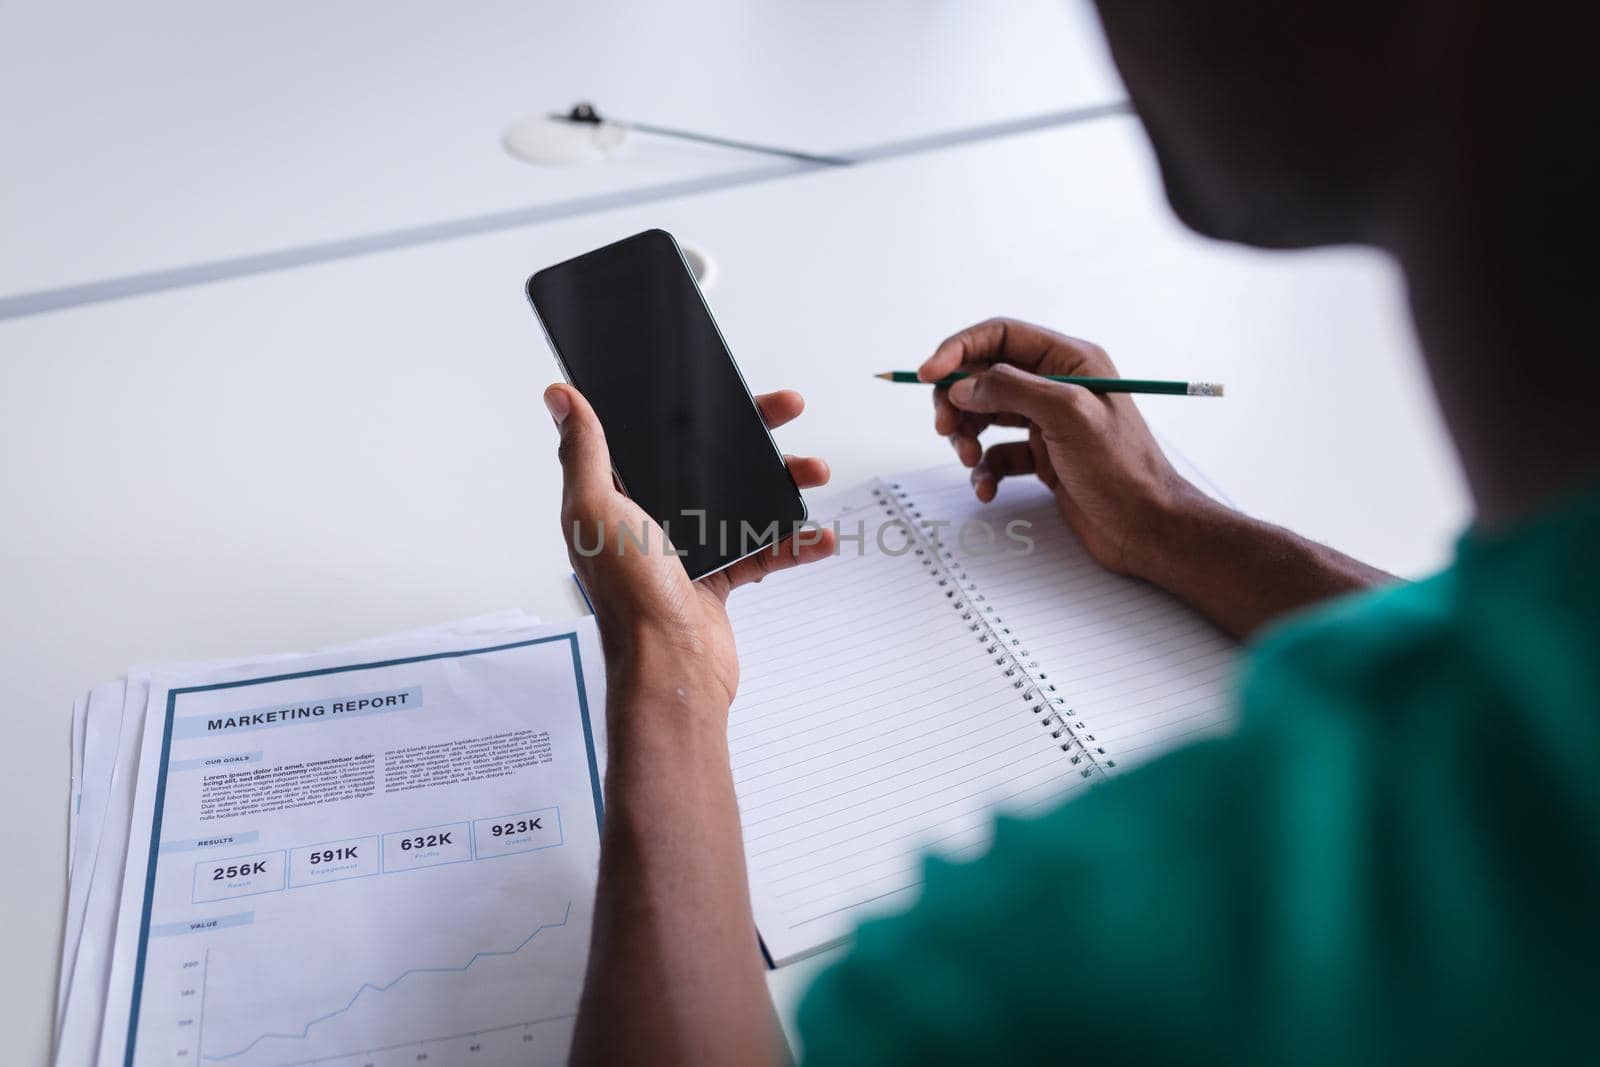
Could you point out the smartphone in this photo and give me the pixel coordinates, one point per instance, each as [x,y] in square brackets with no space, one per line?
[632,332]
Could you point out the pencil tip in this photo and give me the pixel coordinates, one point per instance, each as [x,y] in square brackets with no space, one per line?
[886,375]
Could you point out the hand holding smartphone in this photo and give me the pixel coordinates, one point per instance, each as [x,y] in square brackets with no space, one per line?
[632,332]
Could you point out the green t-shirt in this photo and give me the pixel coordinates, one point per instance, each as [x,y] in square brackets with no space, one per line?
[1396,857]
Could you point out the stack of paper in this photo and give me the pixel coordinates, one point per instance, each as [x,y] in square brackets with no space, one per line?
[378,853]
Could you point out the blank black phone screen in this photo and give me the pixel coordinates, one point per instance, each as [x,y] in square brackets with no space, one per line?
[635,337]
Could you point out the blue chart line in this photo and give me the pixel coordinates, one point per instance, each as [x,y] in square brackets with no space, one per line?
[305,1031]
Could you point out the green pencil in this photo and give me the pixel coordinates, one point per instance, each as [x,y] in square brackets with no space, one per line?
[1094,385]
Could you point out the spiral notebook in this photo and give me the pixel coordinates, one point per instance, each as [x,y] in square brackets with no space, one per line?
[955,660]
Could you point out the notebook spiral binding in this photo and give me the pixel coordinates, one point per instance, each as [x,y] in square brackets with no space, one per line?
[1000,644]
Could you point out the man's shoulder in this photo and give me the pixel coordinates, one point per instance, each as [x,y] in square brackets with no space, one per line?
[1392,619]
[1128,895]
[1359,653]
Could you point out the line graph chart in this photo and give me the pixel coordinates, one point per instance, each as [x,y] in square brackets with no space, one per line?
[283,1041]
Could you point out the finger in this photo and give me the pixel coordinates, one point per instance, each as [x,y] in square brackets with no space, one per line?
[1021,344]
[945,416]
[808,472]
[961,428]
[952,423]
[1041,459]
[1007,460]
[780,407]
[807,546]
[957,427]
[949,419]
[994,341]
[585,460]
[968,450]
[1055,406]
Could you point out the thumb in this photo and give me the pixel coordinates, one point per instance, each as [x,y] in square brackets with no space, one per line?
[1004,389]
[585,459]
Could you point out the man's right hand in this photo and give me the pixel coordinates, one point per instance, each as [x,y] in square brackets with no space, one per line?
[1112,484]
[1111,481]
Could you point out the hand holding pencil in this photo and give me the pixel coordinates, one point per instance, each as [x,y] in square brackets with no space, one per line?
[1094,385]
[1092,448]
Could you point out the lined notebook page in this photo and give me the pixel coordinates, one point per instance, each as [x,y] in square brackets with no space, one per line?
[871,725]
[1140,670]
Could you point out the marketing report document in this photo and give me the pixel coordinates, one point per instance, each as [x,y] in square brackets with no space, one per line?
[373,860]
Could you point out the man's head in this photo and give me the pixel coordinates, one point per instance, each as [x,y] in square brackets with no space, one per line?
[1458,134]
[1288,123]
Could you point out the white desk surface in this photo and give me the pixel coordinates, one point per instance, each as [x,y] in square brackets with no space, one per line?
[359,447]
[152,136]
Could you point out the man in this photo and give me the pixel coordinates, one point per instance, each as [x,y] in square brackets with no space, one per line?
[1397,856]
